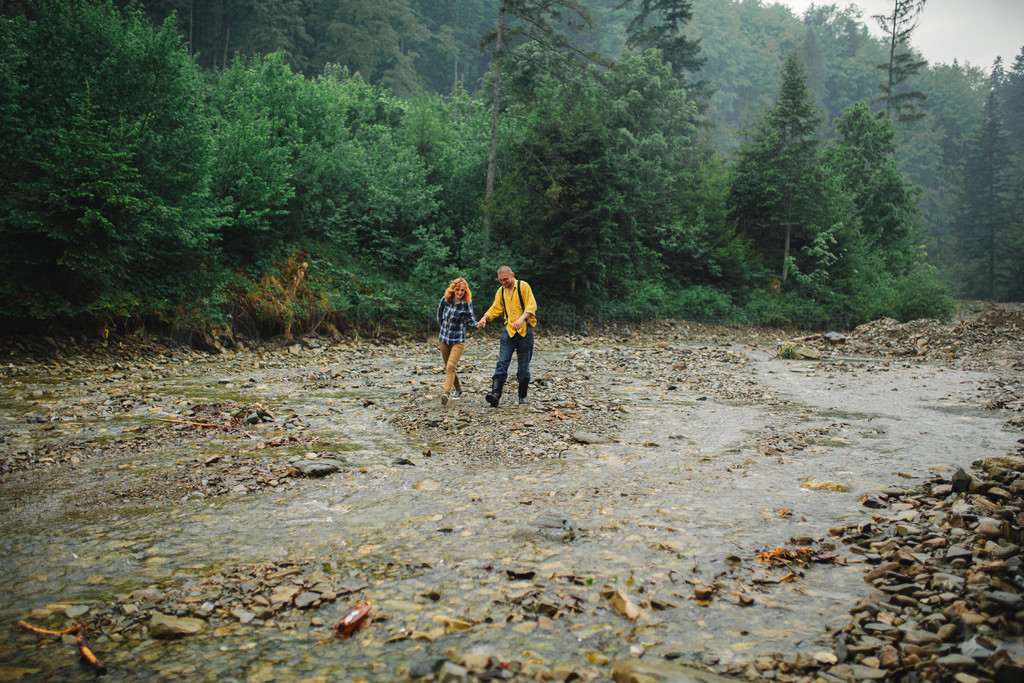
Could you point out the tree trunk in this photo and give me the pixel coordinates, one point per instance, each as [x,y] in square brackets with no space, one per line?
[493,157]
[785,256]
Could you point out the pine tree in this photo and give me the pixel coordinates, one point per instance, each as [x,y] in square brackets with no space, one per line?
[666,33]
[544,23]
[903,106]
[1010,90]
[778,194]
[986,244]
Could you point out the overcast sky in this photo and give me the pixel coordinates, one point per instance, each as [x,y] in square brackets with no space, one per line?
[975,31]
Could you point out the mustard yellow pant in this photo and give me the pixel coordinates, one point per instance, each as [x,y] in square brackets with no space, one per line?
[451,353]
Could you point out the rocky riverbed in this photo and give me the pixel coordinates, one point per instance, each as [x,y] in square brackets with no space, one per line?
[677,502]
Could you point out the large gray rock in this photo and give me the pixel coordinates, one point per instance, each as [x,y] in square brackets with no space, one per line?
[555,525]
[165,627]
[317,468]
[589,437]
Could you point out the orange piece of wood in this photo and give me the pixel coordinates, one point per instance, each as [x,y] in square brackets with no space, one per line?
[46,632]
[353,620]
[186,422]
[87,654]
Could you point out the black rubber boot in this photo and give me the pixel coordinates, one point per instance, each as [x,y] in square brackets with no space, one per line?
[523,386]
[495,394]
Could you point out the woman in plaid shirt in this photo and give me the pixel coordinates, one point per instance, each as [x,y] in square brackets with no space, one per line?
[455,316]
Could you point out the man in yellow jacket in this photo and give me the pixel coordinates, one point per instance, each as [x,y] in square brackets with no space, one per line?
[513,300]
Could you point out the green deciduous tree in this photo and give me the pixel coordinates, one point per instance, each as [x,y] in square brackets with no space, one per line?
[107,161]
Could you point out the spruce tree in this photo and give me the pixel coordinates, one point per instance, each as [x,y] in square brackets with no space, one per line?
[665,31]
[901,105]
[778,193]
[989,255]
[544,23]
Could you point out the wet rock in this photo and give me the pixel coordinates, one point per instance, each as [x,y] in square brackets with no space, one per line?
[622,604]
[589,438]
[992,528]
[450,672]
[244,616]
[305,599]
[654,671]
[555,525]
[317,468]
[1009,601]
[164,626]
[426,667]
[806,353]
[962,481]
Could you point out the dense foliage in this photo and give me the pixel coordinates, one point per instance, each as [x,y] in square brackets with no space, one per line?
[295,164]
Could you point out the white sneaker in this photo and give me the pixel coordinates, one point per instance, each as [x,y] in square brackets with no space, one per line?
[444,399]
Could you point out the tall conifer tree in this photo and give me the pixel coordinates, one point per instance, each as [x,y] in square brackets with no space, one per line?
[778,194]
[901,105]
[986,243]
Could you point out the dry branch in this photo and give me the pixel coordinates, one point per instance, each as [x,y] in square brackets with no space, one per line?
[78,628]
[186,422]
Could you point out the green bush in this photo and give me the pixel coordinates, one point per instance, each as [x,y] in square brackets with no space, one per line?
[919,294]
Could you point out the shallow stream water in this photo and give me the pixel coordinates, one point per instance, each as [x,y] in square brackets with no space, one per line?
[707,468]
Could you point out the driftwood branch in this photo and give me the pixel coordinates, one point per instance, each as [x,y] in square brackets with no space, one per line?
[186,422]
[87,654]
[78,628]
[46,632]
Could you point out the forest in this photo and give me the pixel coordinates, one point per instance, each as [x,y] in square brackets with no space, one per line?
[284,166]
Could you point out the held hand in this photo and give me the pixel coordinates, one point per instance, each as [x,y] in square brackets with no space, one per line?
[481,323]
[517,324]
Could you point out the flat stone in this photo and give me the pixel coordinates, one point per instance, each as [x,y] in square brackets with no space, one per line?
[164,626]
[867,673]
[921,638]
[451,672]
[655,671]
[957,551]
[1007,600]
[992,528]
[305,599]
[589,438]
[317,468]
[75,611]
[244,616]
[955,661]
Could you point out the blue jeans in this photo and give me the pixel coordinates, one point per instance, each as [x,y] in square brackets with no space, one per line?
[523,346]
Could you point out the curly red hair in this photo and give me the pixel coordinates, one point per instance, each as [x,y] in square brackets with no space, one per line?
[449,293]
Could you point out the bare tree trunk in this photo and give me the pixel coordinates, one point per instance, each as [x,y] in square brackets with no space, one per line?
[785,256]
[892,65]
[493,157]
[227,37]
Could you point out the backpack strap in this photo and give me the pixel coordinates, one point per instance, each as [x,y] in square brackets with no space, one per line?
[519,291]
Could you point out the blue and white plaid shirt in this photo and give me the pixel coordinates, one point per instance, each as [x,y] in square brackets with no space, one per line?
[454,319]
